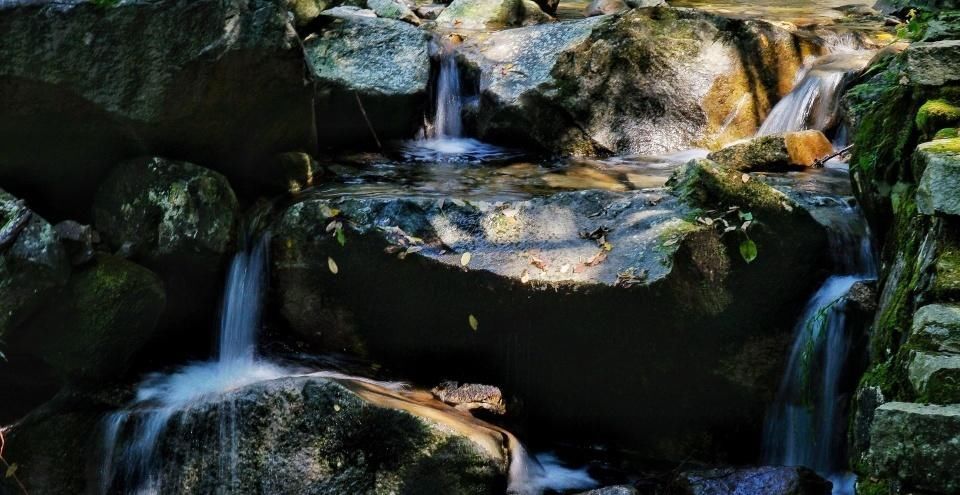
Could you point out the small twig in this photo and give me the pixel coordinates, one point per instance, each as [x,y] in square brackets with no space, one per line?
[6,465]
[367,119]
[821,161]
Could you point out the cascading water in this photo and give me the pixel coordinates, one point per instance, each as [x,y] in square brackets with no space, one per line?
[442,140]
[806,424]
[814,101]
[130,463]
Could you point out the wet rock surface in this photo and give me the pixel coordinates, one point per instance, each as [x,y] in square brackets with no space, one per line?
[767,480]
[775,152]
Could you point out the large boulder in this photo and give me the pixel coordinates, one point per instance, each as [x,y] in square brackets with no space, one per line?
[93,328]
[33,263]
[936,327]
[86,85]
[767,480]
[490,14]
[916,444]
[370,72]
[465,285]
[649,81]
[310,434]
[179,220]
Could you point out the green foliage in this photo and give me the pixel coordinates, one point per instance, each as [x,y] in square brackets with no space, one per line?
[916,25]
[748,250]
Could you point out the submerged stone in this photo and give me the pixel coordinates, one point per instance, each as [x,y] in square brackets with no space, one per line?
[767,480]
[917,444]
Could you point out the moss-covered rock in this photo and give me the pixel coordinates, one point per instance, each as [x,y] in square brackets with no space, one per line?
[936,327]
[180,220]
[948,133]
[917,444]
[105,315]
[939,190]
[935,115]
[33,263]
[86,87]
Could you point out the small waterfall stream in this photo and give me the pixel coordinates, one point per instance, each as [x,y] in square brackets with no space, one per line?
[448,120]
[806,424]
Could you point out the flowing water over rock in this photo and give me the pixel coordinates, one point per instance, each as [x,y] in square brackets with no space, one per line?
[806,425]
[443,140]
[814,101]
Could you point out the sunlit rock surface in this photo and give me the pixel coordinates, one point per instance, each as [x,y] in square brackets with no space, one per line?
[775,152]
[648,81]
[561,299]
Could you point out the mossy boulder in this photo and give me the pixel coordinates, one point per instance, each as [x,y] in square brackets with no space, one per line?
[917,445]
[94,327]
[180,220]
[648,81]
[939,189]
[935,115]
[144,77]
[935,376]
[457,278]
[370,65]
[936,327]
[775,152]
[315,435]
[33,263]
[948,133]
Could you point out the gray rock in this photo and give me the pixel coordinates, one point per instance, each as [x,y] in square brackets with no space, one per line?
[767,480]
[539,272]
[940,162]
[936,327]
[33,263]
[383,63]
[430,11]
[86,87]
[489,14]
[865,403]
[933,63]
[919,445]
[604,7]
[612,490]
[393,9]
[471,396]
[935,376]
[862,297]
[775,152]
[649,81]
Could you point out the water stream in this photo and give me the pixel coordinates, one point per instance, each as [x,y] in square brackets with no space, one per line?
[806,424]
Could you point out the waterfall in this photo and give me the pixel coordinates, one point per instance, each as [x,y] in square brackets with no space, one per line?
[814,101]
[447,121]
[806,424]
[130,461]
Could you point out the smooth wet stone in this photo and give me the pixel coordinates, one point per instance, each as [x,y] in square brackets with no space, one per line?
[775,152]
[209,81]
[489,14]
[365,64]
[767,480]
[649,81]
[581,277]
[94,327]
[935,376]
[471,396]
[612,490]
[393,9]
[33,262]
[916,444]
[936,327]
[937,193]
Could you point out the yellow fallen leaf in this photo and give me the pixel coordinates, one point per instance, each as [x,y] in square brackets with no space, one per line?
[474,324]
[465,258]
[332,265]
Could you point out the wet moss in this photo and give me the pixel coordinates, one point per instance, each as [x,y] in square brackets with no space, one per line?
[871,486]
[936,114]
[948,133]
